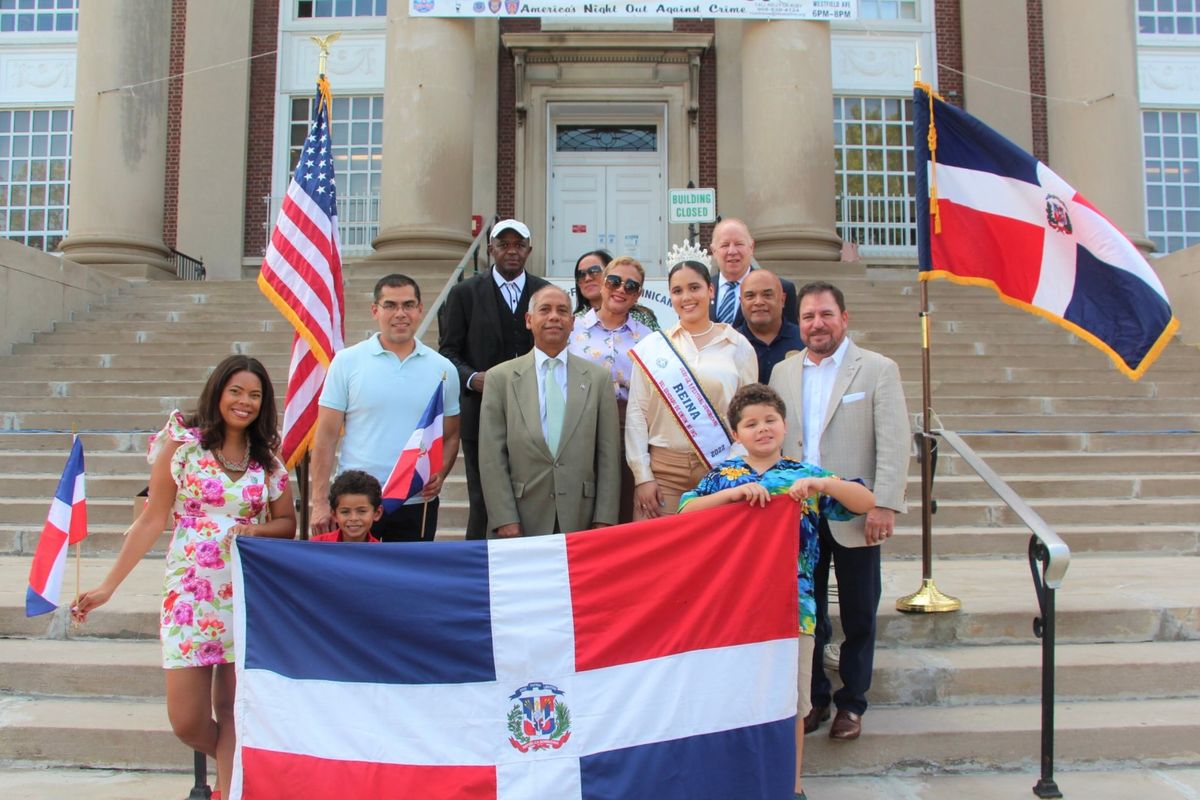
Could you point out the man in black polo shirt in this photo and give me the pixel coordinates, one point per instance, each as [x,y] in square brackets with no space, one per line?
[774,338]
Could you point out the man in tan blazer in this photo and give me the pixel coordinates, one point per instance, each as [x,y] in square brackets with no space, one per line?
[549,443]
[846,413]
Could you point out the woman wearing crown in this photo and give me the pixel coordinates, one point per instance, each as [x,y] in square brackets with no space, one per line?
[679,392]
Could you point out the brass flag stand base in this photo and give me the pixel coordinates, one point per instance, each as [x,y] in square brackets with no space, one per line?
[928,600]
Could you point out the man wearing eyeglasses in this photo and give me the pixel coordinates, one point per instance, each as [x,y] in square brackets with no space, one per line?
[377,391]
[732,247]
[481,325]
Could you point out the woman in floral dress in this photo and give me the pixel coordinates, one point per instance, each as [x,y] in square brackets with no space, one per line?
[217,474]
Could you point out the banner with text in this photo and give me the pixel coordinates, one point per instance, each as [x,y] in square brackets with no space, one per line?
[719,9]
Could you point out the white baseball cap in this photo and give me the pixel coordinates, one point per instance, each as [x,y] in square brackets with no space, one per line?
[510,225]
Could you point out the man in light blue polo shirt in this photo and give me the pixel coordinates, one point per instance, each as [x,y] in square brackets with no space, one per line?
[378,389]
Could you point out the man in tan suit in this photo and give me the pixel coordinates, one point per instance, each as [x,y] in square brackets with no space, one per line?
[846,413]
[549,445]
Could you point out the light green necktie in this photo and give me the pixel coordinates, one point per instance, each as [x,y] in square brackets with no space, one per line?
[555,405]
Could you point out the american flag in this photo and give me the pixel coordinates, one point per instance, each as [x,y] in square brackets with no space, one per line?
[302,276]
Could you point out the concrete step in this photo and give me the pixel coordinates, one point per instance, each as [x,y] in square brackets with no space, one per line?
[1100,782]
[1095,465]
[1013,541]
[59,442]
[1131,598]
[119,510]
[1011,443]
[90,732]
[81,667]
[113,733]
[1067,486]
[989,675]
[973,738]
[1090,423]
[1060,512]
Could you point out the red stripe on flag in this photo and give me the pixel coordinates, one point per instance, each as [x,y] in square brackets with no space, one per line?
[49,547]
[740,587]
[313,326]
[1002,250]
[267,774]
[78,530]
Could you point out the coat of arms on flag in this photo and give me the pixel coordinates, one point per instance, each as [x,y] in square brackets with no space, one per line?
[991,214]
[656,659]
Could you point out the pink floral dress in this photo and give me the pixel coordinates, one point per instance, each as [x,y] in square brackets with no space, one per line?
[197,611]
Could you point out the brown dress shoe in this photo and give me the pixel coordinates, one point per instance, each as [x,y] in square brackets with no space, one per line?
[846,726]
[815,717]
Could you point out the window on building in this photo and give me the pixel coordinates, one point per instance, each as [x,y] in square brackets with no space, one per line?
[308,9]
[606,138]
[1169,17]
[887,9]
[874,184]
[35,165]
[1171,145]
[357,137]
[38,16]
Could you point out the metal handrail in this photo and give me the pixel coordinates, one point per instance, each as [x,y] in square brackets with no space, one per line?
[1049,557]
[472,254]
[187,268]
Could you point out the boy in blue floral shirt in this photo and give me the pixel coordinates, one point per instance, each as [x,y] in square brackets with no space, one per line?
[756,416]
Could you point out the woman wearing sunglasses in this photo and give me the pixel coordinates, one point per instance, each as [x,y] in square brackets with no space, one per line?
[605,334]
[589,279]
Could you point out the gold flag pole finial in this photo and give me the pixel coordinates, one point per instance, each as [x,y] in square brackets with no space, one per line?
[916,62]
[323,43]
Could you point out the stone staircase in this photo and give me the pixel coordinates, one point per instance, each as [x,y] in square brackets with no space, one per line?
[1109,463]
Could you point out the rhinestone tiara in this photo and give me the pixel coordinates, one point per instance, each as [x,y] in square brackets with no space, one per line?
[688,252]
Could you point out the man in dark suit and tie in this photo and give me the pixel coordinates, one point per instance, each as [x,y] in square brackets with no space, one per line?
[481,325]
[732,247]
[549,440]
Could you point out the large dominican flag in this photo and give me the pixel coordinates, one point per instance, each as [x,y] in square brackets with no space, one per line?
[656,659]
[65,525]
[998,217]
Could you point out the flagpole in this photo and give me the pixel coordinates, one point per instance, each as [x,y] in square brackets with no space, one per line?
[302,477]
[79,544]
[928,598]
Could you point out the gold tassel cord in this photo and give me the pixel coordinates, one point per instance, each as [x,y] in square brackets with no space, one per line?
[931,139]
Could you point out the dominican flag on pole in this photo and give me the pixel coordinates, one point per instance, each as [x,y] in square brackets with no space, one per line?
[66,524]
[656,659]
[998,217]
[421,457]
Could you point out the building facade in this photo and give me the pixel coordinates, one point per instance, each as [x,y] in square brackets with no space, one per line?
[129,128]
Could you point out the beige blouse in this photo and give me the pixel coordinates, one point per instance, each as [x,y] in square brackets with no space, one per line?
[724,365]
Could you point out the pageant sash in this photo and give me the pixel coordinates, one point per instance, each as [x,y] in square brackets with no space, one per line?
[680,390]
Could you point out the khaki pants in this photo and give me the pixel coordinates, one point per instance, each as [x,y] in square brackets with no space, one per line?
[675,472]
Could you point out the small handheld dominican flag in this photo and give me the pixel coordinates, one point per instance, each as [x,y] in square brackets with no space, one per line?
[990,214]
[66,524]
[421,457]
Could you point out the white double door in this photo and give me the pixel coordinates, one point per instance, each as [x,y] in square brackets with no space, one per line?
[611,206]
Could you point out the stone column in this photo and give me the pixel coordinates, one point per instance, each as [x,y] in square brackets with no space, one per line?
[213,133]
[787,137]
[995,46]
[425,200]
[1091,55]
[119,143]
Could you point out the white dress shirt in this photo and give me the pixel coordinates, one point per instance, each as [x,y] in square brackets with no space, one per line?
[510,290]
[560,377]
[817,386]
